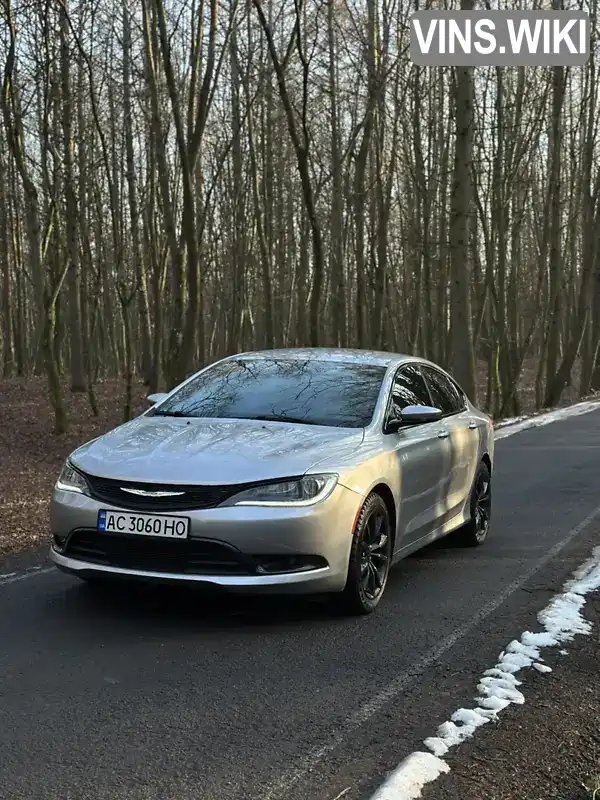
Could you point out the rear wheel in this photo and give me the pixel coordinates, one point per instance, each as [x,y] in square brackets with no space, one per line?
[475,532]
[370,558]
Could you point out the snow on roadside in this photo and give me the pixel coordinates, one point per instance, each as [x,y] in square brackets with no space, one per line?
[498,687]
[508,427]
[561,621]
[417,770]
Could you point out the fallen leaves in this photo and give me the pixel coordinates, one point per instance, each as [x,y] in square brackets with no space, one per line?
[31,454]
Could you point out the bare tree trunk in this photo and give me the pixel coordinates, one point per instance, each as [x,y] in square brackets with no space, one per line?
[339,335]
[239,247]
[78,380]
[462,356]
[5,261]
[360,170]
[138,269]
[555,260]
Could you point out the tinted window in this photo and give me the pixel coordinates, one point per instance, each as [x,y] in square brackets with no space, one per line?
[408,389]
[444,393]
[314,391]
[460,395]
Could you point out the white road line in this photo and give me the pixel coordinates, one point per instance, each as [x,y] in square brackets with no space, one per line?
[280,787]
[14,577]
[562,621]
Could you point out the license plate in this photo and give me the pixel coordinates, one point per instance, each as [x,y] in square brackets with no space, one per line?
[164,525]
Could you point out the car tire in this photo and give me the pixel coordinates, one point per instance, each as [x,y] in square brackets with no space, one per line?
[370,558]
[475,532]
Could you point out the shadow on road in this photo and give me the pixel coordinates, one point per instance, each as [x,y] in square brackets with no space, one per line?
[193,608]
[152,608]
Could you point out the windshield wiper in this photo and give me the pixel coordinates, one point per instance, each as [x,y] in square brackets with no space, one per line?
[182,414]
[262,417]
[281,418]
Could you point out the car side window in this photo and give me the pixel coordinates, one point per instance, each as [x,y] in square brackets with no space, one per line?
[409,389]
[462,397]
[444,393]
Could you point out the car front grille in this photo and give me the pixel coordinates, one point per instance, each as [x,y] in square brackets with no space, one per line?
[193,497]
[191,557]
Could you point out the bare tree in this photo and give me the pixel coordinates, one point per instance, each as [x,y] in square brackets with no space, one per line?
[462,356]
[184,179]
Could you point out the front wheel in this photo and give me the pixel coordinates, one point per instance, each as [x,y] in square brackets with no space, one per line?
[475,532]
[370,558]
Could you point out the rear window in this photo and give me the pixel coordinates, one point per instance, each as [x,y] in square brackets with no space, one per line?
[444,392]
[310,391]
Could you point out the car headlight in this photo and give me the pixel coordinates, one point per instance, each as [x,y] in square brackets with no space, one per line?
[70,480]
[302,492]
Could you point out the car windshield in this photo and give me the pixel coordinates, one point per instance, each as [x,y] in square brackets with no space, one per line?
[307,391]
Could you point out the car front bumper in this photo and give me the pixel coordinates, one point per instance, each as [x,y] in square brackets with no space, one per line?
[316,580]
[322,532]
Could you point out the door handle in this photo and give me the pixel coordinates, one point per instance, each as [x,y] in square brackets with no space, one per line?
[472,425]
[443,434]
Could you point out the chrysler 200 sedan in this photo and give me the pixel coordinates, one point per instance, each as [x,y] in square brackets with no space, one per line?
[300,470]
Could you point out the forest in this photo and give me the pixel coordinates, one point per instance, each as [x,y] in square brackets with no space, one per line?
[181,180]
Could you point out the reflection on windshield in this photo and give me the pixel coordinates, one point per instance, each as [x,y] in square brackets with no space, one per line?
[309,391]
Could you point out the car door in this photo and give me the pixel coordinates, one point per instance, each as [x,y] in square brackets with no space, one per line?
[423,455]
[463,437]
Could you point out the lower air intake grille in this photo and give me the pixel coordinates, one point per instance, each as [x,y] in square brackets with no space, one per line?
[191,557]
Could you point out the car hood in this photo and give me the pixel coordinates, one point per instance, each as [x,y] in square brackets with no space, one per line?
[203,451]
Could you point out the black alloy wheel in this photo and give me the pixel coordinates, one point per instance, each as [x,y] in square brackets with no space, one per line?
[370,557]
[475,532]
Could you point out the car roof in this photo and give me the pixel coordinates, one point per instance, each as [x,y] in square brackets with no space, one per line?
[367,357]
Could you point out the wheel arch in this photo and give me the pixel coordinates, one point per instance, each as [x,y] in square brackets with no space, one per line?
[386,494]
[487,461]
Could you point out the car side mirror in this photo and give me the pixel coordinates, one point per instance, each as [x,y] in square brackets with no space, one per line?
[153,399]
[417,415]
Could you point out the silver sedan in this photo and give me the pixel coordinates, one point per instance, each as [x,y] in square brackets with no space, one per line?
[307,470]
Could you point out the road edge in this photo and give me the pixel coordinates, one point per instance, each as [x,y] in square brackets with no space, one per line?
[561,620]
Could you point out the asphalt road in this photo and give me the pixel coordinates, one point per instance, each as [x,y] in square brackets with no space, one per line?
[157,694]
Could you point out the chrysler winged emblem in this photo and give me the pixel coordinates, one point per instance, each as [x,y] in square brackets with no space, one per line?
[144,493]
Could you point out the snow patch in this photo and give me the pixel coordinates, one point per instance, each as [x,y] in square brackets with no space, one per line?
[408,779]
[561,620]
[511,421]
[508,427]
